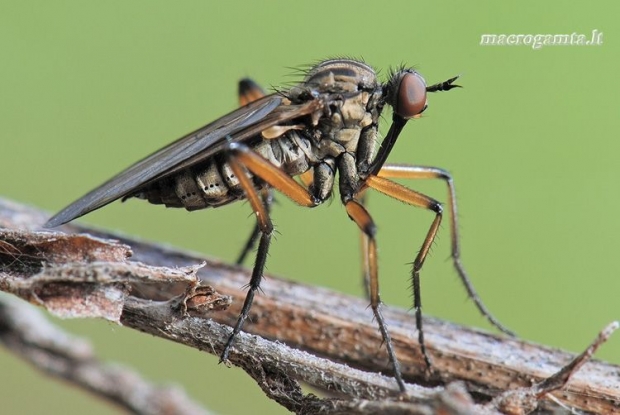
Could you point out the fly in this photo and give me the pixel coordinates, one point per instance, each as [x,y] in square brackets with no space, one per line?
[328,124]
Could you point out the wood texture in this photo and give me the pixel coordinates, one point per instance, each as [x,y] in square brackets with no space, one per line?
[192,300]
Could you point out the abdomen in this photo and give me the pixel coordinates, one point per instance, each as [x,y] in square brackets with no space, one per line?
[212,183]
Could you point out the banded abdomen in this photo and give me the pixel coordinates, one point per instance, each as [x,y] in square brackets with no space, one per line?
[212,183]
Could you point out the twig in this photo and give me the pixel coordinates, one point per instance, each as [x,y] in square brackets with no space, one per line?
[102,287]
[525,400]
[25,332]
[316,320]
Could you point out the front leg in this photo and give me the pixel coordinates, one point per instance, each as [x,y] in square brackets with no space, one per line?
[413,198]
[400,171]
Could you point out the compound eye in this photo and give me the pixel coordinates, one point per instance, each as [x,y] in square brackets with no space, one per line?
[411,96]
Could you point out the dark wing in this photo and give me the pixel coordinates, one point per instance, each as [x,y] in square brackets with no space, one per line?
[190,149]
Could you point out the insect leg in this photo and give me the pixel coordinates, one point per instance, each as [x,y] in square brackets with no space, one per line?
[423,172]
[267,199]
[414,198]
[267,196]
[242,158]
[274,176]
[362,198]
[362,218]
[249,91]
[307,177]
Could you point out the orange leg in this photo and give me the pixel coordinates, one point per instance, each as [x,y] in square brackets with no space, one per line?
[413,198]
[395,171]
[307,178]
[241,158]
[362,199]
[267,198]
[364,221]
[249,91]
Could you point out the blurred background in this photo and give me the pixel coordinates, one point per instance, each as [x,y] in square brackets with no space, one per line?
[89,88]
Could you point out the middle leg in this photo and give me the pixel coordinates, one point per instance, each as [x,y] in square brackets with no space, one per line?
[362,218]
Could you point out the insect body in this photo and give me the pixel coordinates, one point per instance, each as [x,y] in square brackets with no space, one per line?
[326,127]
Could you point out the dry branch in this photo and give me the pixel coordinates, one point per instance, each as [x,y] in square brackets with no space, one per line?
[189,299]
[25,332]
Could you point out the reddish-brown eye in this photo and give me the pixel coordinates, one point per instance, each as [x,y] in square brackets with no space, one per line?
[411,96]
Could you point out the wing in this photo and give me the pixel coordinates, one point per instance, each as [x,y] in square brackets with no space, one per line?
[188,150]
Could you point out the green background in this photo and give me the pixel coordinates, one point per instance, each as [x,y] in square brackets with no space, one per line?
[87,88]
